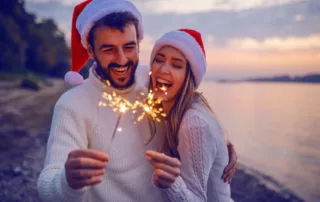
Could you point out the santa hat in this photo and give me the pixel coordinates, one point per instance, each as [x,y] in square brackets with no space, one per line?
[189,42]
[84,16]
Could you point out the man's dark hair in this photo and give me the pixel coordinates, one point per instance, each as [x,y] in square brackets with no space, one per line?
[117,20]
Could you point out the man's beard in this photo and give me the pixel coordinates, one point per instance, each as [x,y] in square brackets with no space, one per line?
[104,73]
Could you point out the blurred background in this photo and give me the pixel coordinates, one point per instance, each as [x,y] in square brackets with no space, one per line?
[263,82]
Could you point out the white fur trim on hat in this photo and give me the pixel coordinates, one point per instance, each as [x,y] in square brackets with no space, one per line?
[189,47]
[97,9]
[73,78]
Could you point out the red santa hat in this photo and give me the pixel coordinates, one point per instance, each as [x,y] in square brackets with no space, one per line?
[84,16]
[189,42]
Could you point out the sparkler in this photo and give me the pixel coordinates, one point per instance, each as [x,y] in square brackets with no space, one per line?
[148,105]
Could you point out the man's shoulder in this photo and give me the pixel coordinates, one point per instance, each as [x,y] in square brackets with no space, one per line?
[75,96]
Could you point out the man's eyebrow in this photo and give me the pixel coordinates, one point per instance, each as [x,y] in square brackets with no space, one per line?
[106,46]
[130,43]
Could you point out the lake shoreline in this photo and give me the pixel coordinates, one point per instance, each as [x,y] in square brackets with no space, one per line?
[25,133]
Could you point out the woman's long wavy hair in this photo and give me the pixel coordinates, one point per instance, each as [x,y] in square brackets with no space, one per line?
[186,93]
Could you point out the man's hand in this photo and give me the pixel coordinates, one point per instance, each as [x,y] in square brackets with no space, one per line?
[85,167]
[166,169]
[230,170]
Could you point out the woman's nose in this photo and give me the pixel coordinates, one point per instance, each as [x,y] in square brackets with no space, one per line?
[165,68]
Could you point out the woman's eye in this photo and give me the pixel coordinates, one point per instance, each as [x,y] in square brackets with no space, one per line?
[158,60]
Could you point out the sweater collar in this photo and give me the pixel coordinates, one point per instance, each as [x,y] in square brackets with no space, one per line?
[102,85]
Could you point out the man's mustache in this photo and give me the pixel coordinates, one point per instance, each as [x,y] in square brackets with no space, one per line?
[116,65]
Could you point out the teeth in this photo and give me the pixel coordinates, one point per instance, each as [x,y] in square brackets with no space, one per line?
[121,70]
[163,81]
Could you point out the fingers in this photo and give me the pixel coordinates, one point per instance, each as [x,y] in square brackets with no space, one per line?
[231,167]
[161,183]
[163,179]
[175,171]
[227,170]
[89,153]
[162,158]
[84,163]
[161,174]
[228,176]
[77,184]
[81,174]
[85,167]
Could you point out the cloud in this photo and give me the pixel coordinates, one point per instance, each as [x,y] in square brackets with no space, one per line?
[63,2]
[298,20]
[283,38]
[189,6]
[309,43]
[248,55]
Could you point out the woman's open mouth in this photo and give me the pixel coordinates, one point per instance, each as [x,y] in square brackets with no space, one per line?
[163,84]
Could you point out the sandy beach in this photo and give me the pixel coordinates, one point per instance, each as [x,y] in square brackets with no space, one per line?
[25,122]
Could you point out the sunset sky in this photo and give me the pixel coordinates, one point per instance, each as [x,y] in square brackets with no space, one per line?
[242,37]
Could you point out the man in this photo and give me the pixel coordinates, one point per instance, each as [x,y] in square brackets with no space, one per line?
[88,157]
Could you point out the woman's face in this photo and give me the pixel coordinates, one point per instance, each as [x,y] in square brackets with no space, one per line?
[168,72]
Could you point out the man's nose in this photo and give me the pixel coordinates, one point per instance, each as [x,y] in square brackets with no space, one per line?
[121,57]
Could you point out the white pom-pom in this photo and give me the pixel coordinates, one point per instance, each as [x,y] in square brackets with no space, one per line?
[73,78]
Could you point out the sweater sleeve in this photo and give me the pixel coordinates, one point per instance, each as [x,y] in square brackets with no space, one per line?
[197,149]
[68,133]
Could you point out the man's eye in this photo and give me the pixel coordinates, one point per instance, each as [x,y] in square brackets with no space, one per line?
[129,47]
[107,50]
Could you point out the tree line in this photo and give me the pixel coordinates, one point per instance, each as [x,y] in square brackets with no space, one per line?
[30,44]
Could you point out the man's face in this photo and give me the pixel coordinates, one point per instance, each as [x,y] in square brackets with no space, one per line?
[116,54]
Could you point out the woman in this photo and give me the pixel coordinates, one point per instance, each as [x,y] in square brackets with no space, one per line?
[194,152]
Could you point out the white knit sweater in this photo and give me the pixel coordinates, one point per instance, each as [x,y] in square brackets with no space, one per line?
[80,123]
[203,155]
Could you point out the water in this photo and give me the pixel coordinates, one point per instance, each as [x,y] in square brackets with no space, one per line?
[275,128]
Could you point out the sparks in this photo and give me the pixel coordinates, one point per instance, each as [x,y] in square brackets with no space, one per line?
[163,88]
[108,83]
[147,105]
[123,107]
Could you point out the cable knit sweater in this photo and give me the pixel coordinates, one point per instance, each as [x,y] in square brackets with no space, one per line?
[203,155]
[80,123]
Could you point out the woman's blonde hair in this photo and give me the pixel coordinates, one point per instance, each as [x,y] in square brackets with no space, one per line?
[186,93]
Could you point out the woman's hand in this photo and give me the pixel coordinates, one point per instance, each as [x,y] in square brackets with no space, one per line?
[230,169]
[166,169]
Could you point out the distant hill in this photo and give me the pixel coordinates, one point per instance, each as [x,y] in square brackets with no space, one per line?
[310,78]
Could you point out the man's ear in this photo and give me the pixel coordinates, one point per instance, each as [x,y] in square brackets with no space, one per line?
[90,52]
[138,47]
